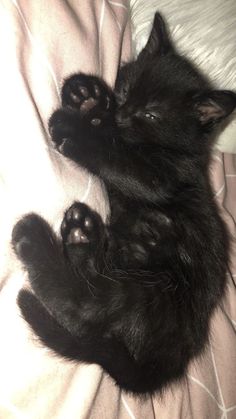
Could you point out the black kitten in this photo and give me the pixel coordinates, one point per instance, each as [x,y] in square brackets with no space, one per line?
[135,296]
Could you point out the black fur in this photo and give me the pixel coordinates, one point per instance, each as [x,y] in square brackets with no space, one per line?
[136,295]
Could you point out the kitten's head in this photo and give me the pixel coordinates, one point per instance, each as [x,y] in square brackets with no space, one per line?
[163,99]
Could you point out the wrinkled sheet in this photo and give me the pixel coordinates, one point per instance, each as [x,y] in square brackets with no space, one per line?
[41,43]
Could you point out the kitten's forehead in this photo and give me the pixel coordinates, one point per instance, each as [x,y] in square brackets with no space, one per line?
[170,74]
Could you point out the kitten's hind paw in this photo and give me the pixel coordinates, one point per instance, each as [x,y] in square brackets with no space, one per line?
[31,238]
[80,225]
[83,237]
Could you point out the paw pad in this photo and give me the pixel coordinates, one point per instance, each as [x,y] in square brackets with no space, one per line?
[85,93]
[88,104]
[76,235]
[77,225]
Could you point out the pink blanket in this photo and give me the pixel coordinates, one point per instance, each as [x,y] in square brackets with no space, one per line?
[41,43]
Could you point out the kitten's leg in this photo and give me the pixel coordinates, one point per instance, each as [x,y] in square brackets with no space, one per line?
[69,318]
[75,329]
[52,281]
[69,291]
[50,332]
[91,347]
[90,248]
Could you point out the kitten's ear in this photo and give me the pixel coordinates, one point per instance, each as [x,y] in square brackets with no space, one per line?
[158,41]
[213,106]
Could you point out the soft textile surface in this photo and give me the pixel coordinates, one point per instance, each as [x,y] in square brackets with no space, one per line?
[206,31]
[40,44]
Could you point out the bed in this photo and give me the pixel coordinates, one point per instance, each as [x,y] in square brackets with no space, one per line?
[40,45]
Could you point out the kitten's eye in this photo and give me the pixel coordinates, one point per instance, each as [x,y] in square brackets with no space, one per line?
[150,115]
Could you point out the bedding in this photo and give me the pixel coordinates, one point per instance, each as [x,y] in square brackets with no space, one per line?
[40,46]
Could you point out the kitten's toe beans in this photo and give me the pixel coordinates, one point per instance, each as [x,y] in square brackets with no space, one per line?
[76,93]
[77,96]
[102,96]
[88,222]
[85,93]
[87,105]
[97,90]
[76,235]
[78,224]
[74,213]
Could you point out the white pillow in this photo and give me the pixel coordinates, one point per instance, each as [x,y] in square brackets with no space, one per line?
[203,29]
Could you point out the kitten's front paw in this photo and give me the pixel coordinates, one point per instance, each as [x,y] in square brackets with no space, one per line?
[80,225]
[29,235]
[90,96]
